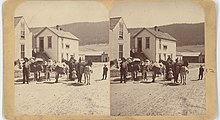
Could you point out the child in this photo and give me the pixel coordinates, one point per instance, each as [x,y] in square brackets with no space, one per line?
[201,70]
[170,74]
[74,76]
[105,70]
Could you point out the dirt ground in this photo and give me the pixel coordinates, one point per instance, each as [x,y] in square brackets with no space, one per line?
[65,97]
[145,98]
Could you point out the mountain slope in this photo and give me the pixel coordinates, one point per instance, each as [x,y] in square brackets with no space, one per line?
[89,33]
[98,32]
[186,34]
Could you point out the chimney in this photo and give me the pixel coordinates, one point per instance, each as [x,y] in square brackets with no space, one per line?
[58,27]
[155,28]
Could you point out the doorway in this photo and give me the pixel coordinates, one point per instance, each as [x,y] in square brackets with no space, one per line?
[139,44]
[41,44]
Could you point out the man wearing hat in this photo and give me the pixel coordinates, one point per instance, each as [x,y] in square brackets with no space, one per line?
[123,70]
[26,70]
[105,70]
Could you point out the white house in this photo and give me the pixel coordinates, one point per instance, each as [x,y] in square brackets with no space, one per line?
[56,44]
[22,38]
[119,39]
[152,43]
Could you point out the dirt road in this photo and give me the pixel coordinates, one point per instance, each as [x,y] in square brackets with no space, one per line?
[159,98]
[65,97]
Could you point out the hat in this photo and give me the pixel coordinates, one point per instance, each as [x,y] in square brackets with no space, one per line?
[25,58]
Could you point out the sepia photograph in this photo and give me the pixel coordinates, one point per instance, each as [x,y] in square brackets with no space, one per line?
[157,58]
[61,57]
[109,59]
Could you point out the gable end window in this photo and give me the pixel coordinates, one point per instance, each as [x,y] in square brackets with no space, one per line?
[120,31]
[22,31]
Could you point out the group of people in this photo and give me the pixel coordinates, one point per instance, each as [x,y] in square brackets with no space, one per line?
[73,69]
[169,69]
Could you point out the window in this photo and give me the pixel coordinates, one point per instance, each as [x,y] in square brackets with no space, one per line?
[120,51]
[22,30]
[159,43]
[67,46]
[165,56]
[67,56]
[159,56]
[22,51]
[49,38]
[165,47]
[147,42]
[62,43]
[120,30]
[61,55]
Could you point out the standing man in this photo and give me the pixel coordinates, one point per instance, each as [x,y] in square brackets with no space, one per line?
[201,70]
[26,70]
[72,65]
[105,70]
[123,70]
[79,70]
[176,70]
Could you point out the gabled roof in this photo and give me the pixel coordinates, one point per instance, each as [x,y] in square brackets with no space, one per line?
[16,20]
[114,21]
[59,33]
[36,30]
[135,31]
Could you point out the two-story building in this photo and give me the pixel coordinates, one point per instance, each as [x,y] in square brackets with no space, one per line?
[54,43]
[152,44]
[119,39]
[22,38]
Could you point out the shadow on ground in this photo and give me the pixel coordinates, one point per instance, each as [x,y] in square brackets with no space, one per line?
[195,80]
[75,84]
[170,84]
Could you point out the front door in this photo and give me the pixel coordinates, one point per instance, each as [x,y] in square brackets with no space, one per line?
[41,44]
[139,44]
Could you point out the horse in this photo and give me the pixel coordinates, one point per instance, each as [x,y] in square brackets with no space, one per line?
[36,66]
[168,65]
[58,68]
[114,63]
[134,68]
[183,72]
[155,69]
[17,64]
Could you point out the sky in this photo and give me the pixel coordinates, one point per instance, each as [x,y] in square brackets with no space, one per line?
[149,14]
[52,13]
[135,14]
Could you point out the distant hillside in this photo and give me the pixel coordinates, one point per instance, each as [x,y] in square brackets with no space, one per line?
[95,47]
[97,32]
[89,33]
[191,48]
[186,34]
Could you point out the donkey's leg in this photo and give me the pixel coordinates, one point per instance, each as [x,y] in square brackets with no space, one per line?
[89,79]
